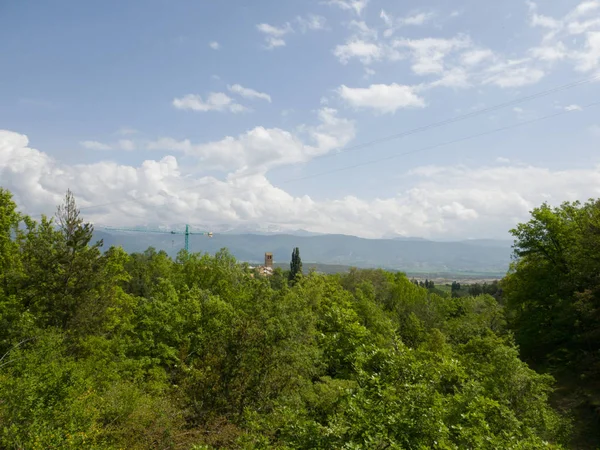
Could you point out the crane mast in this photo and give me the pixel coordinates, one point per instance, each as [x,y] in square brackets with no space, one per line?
[186,233]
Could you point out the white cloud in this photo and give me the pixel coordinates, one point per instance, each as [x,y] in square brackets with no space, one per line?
[417,19]
[550,53]
[216,101]
[362,30]
[125,131]
[429,54]
[95,145]
[381,97]
[357,6]
[262,149]
[274,35]
[214,45]
[459,62]
[394,24]
[311,22]
[456,77]
[248,93]
[477,56]
[369,72]
[582,27]
[363,45]
[558,43]
[595,130]
[589,58]
[538,20]
[573,108]
[273,42]
[272,30]
[170,144]
[126,144]
[584,8]
[513,73]
[450,201]
[387,19]
[122,144]
[365,52]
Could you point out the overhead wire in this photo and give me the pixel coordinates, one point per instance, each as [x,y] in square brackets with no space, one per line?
[442,144]
[462,117]
[408,133]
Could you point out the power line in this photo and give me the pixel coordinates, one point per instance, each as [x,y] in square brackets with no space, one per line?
[422,149]
[408,133]
[437,124]
[463,116]
[443,144]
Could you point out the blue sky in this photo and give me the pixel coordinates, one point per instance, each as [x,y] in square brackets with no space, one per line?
[220,114]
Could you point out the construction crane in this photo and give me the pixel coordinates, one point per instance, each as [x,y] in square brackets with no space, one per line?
[186,233]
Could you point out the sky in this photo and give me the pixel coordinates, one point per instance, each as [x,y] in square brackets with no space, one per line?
[322,115]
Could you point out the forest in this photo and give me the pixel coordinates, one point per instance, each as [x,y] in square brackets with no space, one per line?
[100,349]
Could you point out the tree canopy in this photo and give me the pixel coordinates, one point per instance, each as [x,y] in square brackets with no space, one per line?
[111,350]
[295,265]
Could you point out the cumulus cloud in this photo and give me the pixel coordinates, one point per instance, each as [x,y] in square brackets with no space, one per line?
[573,108]
[272,30]
[508,75]
[369,72]
[364,46]
[126,144]
[383,98]
[356,6]
[476,56]
[311,22]
[461,62]
[429,54]
[261,149]
[95,145]
[451,202]
[393,24]
[588,58]
[122,144]
[366,52]
[216,101]
[550,53]
[274,34]
[248,93]
[125,131]
[456,77]
[558,43]
[214,45]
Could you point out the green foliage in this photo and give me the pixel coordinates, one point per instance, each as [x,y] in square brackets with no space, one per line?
[110,350]
[295,265]
[553,289]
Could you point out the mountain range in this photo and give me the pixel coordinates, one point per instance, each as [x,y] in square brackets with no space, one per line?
[411,255]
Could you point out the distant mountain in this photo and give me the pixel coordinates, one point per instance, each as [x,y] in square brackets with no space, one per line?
[409,255]
[503,243]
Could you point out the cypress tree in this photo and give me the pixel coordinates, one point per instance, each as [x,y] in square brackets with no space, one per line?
[295,264]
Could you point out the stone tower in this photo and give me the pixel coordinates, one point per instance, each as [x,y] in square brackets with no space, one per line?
[269,260]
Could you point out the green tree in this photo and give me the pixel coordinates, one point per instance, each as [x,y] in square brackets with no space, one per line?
[9,230]
[552,289]
[295,265]
[108,350]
